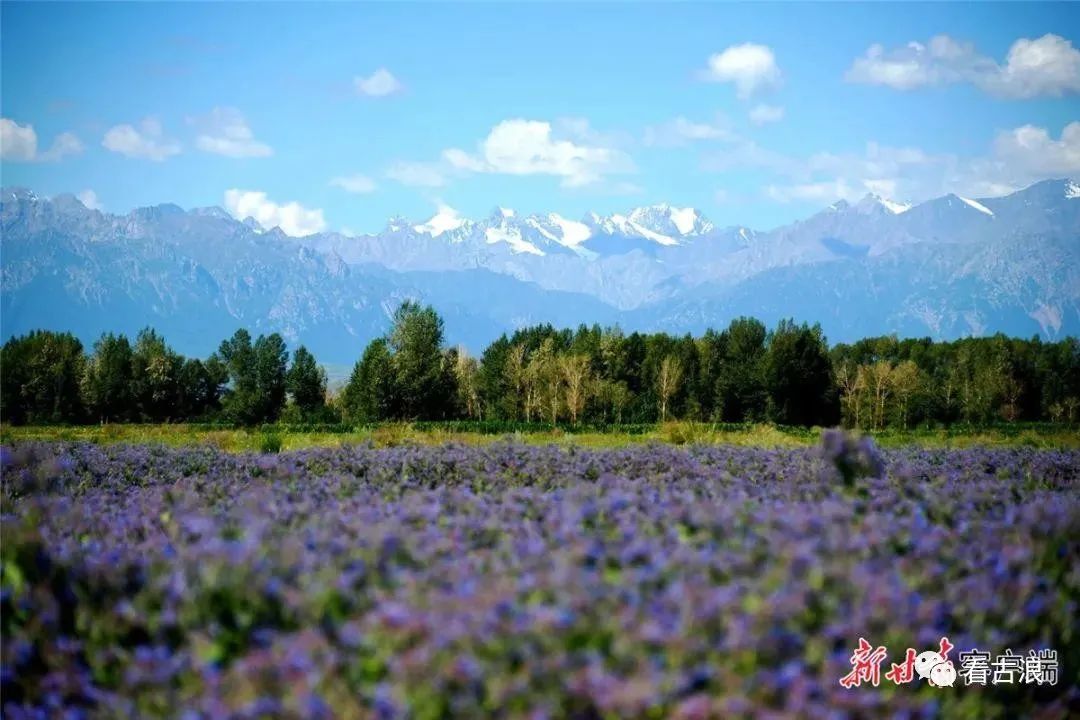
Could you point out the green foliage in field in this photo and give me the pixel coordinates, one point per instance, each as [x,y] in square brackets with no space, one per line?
[276,437]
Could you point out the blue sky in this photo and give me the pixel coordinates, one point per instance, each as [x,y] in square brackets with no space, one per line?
[341,115]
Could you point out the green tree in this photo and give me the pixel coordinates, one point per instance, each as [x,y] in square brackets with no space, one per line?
[494,382]
[237,356]
[740,383]
[199,388]
[799,377]
[155,376]
[306,383]
[370,394]
[424,382]
[40,374]
[271,361]
[107,382]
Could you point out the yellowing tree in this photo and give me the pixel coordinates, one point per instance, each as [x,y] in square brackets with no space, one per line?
[905,383]
[667,383]
[577,376]
[466,369]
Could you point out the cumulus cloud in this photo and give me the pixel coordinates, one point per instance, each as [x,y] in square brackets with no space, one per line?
[765,114]
[147,142]
[750,67]
[224,131]
[293,219]
[89,198]
[1046,66]
[1032,151]
[417,174]
[19,143]
[379,84]
[357,184]
[571,152]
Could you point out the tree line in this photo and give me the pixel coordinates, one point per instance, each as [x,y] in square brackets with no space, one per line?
[744,373]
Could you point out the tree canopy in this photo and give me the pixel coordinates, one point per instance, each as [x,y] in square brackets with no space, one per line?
[745,372]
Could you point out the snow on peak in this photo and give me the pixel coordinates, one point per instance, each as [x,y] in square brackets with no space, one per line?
[506,212]
[875,201]
[977,205]
[18,193]
[573,233]
[891,205]
[684,218]
[654,236]
[1072,190]
[512,237]
[632,226]
[558,229]
[663,219]
[445,220]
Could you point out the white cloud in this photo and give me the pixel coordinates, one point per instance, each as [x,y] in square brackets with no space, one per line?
[89,198]
[65,144]
[379,84]
[764,114]
[224,131]
[293,219]
[1031,150]
[358,184]
[532,147]
[682,131]
[461,160]
[417,174]
[1048,65]
[19,143]
[568,149]
[750,67]
[147,142]
[1017,158]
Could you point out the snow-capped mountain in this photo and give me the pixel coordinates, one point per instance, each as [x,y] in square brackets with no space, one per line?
[660,225]
[947,267]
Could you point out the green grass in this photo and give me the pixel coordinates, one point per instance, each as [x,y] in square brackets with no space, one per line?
[273,438]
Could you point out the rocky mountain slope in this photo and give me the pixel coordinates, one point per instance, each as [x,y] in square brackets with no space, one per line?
[945,268]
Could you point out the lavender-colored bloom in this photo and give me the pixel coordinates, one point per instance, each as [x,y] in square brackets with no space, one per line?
[524,581]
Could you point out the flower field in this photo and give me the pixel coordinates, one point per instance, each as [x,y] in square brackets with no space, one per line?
[513,580]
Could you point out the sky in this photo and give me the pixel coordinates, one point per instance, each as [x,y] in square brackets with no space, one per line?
[339,116]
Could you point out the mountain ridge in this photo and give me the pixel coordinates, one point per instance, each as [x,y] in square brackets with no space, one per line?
[943,268]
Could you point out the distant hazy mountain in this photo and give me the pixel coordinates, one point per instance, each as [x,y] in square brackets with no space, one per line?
[945,268]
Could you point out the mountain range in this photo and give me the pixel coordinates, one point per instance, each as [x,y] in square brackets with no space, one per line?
[945,268]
